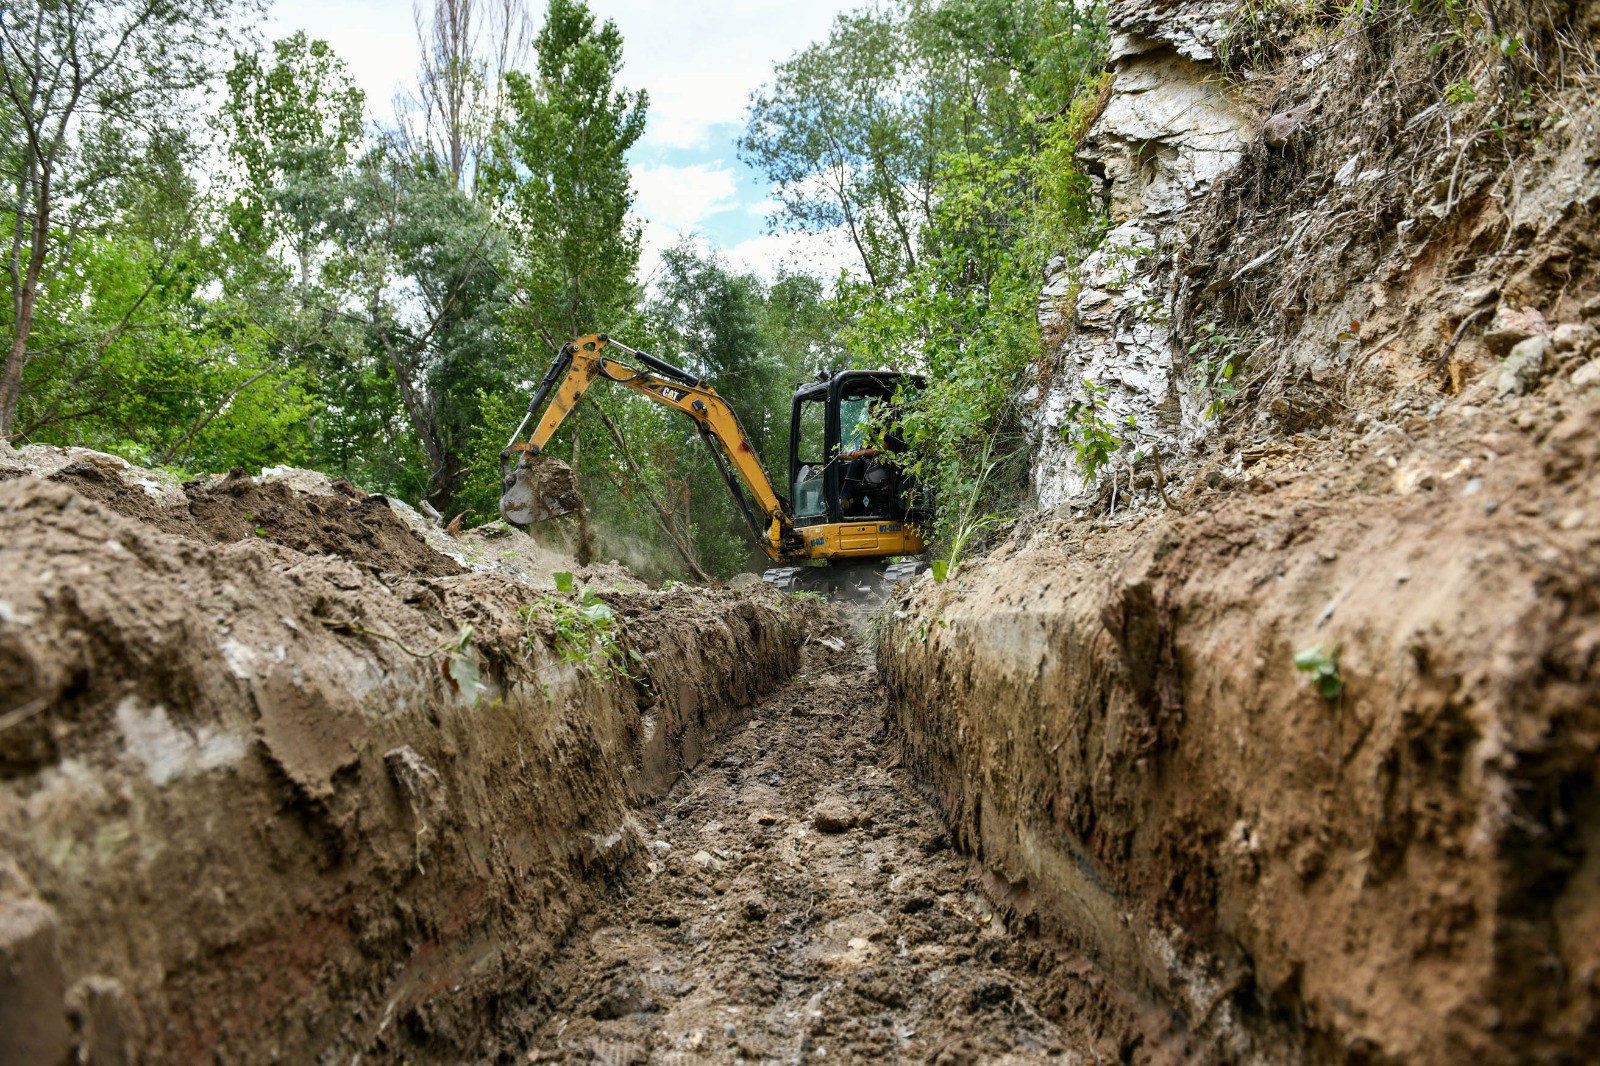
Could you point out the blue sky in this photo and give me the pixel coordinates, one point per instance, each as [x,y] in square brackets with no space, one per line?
[698,61]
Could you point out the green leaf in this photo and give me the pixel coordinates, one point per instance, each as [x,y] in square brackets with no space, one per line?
[941,570]
[564,581]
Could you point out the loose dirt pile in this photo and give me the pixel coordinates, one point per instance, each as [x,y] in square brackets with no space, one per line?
[279,782]
[799,901]
[1403,867]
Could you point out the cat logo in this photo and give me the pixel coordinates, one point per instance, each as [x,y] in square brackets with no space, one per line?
[673,394]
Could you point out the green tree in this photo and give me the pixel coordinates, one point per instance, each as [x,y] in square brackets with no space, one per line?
[73,74]
[957,121]
[841,140]
[560,175]
[426,264]
[292,123]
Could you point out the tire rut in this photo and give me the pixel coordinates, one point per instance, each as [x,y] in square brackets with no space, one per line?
[799,901]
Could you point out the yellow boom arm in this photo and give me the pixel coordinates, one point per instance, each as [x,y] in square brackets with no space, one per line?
[583,361]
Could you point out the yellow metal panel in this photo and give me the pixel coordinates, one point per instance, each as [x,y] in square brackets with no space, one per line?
[853,540]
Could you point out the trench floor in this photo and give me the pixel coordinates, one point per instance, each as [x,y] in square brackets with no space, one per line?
[799,902]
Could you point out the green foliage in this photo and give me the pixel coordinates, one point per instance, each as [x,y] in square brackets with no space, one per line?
[1461,91]
[1090,432]
[987,189]
[1322,670]
[584,628]
[560,177]
[94,105]
[1218,356]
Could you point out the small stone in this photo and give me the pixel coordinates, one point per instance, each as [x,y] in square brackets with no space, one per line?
[764,817]
[1280,127]
[1510,328]
[702,859]
[1587,376]
[1572,520]
[1491,506]
[1521,371]
[1472,487]
[1474,299]
[832,816]
[1573,337]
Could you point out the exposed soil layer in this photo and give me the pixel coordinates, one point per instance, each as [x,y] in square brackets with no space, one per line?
[352,524]
[280,783]
[798,901]
[1404,870]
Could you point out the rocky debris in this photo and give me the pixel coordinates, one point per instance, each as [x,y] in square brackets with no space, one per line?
[1587,376]
[1277,130]
[1512,327]
[1522,369]
[834,815]
[1574,338]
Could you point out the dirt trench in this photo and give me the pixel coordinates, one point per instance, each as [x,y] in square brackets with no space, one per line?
[801,902]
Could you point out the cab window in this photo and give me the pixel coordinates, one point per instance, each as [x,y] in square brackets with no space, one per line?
[811,436]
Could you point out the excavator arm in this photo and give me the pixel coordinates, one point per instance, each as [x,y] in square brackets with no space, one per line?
[584,361]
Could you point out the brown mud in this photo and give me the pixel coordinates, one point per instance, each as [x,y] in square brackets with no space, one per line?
[798,900]
[280,783]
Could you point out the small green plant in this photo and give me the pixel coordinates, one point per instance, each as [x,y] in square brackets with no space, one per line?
[1460,92]
[968,522]
[585,631]
[1218,356]
[1090,431]
[1322,670]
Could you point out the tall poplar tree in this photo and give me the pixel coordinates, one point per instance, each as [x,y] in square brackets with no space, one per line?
[560,176]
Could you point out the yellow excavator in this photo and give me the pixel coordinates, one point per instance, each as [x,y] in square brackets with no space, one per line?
[852,508]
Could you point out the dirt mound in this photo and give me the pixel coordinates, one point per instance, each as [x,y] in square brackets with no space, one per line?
[318,792]
[1123,720]
[352,524]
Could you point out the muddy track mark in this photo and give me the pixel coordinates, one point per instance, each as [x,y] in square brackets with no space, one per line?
[800,902]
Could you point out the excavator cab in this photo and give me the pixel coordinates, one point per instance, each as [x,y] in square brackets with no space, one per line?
[844,451]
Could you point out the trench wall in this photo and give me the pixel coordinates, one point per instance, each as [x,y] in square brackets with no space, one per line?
[1408,871]
[267,804]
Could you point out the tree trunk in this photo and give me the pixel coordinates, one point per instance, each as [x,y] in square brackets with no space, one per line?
[17,358]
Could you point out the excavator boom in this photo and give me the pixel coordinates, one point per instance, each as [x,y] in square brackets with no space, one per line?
[533,493]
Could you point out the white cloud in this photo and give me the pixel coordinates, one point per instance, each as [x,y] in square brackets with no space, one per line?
[822,254]
[682,197]
[700,61]
[376,38]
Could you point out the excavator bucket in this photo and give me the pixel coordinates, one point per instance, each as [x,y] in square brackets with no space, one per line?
[536,488]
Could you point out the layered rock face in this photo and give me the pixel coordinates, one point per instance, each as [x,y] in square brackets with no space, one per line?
[1169,131]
